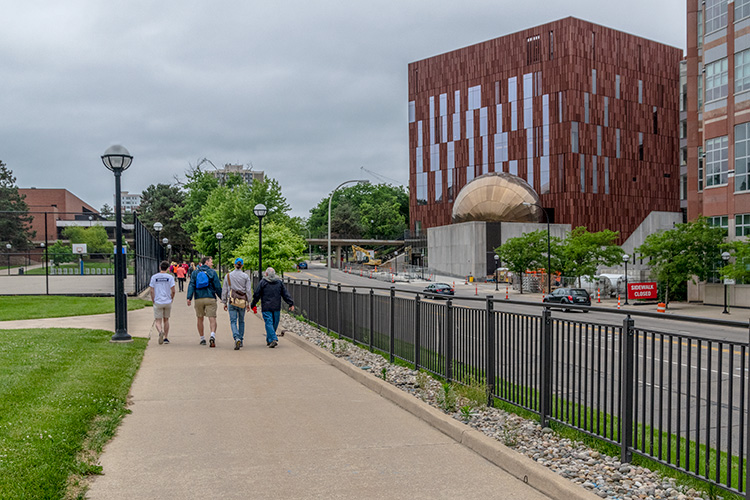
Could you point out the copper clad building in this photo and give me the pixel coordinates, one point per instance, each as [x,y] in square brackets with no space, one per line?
[587,115]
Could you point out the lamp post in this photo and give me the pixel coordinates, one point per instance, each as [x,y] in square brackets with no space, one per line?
[169,252]
[219,236]
[625,259]
[497,262]
[330,198]
[158,227]
[118,159]
[725,257]
[8,246]
[260,211]
[90,219]
[549,249]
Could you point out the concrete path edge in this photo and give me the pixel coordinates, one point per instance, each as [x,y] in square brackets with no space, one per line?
[522,467]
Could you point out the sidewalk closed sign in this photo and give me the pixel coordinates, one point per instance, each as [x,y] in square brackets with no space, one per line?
[642,290]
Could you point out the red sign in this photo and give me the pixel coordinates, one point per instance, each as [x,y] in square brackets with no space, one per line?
[642,290]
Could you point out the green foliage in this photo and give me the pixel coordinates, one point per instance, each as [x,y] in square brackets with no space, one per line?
[384,373]
[369,211]
[688,250]
[524,252]
[15,228]
[739,269]
[200,184]
[448,398]
[95,238]
[159,203]
[60,253]
[282,248]
[582,252]
[107,212]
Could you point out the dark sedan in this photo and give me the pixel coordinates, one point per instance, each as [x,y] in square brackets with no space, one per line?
[572,296]
[302,265]
[439,289]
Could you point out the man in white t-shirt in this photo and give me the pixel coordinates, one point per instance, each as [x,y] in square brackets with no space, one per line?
[162,293]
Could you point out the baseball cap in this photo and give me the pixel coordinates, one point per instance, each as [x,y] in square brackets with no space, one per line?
[239,261]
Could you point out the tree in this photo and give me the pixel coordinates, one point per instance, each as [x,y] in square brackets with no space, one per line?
[739,269]
[200,184]
[582,252]
[107,212]
[686,251]
[282,247]
[159,203]
[15,221]
[345,221]
[60,253]
[95,238]
[523,253]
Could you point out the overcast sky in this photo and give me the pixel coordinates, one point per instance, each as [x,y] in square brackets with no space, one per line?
[307,91]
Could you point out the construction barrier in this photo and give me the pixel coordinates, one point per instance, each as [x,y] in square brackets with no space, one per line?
[598,296]
[506,292]
[618,301]
[661,307]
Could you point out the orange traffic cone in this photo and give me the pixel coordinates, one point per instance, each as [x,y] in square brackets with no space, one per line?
[506,292]
[598,297]
[618,301]
[476,290]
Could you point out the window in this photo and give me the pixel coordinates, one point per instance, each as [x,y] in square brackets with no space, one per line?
[412,112]
[606,175]
[656,120]
[640,146]
[617,143]
[432,121]
[593,81]
[469,124]
[529,143]
[718,221]
[701,160]
[501,150]
[513,167]
[471,152]
[438,186]
[457,101]
[513,116]
[512,89]
[499,117]
[475,97]
[599,140]
[419,133]
[606,111]
[574,137]
[617,86]
[443,129]
[528,90]
[560,107]
[551,45]
[583,174]
[741,9]
[451,173]
[530,172]
[483,122]
[640,91]
[533,49]
[717,77]
[683,187]
[700,29]
[443,104]
[717,161]
[700,91]
[485,155]
[421,188]
[742,224]
[742,157]
[456,126]
[435,157]
[595,176]
[544,175]
[528,113]
[586,107]
[469,173]
[716,15]
[742,69]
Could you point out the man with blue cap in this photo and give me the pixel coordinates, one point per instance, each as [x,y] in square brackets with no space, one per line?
[235,295]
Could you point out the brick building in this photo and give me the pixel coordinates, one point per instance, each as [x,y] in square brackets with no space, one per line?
[587,115]
[59,204]
[718,113]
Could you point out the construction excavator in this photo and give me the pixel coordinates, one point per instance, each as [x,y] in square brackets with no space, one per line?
[366,253]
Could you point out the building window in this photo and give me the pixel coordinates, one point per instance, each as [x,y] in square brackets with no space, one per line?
[560,107]
[533,49]
[640,146]
[640,91]
[501,150]
[551,45]
[514,116]
[700,29]
[485,154]
[593,81]
[717,77]
[583,174]
[432,121]
[456,126]
[742,223]
[718,221]
[701,159]
[656,120]
[438,186]
[586,107]
[717,161]
[512,89]
[483,122]
[419,133]
[599,140]
[513,167]
[574,136]
[420,159]
[606,111]
[412,112]
[528,113]
[443,104]
[742,157]
[617,86]
[421,188]
[469,124]
[595,175]
[716,15]
[683,187]
[529,143]
[544,175]
[457,101]
[435,157]
[741,9]
[742,69]
[471,152]
[617,143]
[475,97]
[606,175]
[700,91]
[499,118]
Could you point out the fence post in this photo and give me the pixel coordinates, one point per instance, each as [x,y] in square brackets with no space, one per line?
[372,318]
[317,305]
[626,390]
[545,403]
[490,353]
[309,298]
[448,340]
[338,310]
[392,325]
[417,344]
[354,315]
[328,308]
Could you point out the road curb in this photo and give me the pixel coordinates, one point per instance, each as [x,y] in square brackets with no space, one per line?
[522,467]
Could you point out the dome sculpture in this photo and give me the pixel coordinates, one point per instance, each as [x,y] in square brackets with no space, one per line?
[497,197]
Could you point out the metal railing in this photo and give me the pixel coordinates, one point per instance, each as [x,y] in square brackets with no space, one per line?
[677,399]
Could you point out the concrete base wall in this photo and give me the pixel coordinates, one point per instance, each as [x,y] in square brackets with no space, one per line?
[713,294]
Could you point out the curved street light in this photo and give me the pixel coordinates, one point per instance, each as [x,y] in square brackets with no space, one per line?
[260,211]
[118,159]
[330,198]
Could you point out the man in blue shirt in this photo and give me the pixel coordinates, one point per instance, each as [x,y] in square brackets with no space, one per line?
[206,287]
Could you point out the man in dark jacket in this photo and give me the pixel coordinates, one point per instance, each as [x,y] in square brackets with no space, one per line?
[270,291]
[205,285]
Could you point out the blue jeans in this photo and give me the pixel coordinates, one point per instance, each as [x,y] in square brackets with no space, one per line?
[271,318]
[237,321]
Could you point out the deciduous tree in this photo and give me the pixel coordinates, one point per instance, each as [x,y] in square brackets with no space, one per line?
[15,220]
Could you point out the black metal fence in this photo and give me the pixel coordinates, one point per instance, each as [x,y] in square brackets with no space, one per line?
[677,399]
[148,252]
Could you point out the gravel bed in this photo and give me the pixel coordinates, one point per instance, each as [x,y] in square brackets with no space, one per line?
[606,476]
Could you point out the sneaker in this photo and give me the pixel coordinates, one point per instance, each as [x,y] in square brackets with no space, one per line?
[166,341]
[203,341]
[242,343]
[273,344]
[282,333]
[212,342]
[237,345]
[161,337]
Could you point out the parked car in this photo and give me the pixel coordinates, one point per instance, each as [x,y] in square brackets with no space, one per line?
[573,296]
[302,265]
[439,289]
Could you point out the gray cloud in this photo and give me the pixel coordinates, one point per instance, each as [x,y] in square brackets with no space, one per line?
[306,91]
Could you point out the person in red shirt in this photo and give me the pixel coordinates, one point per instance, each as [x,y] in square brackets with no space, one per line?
[181,273]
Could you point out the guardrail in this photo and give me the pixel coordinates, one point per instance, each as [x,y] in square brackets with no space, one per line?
[677,399]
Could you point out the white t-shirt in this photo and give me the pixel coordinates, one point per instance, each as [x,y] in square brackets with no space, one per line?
[162,284]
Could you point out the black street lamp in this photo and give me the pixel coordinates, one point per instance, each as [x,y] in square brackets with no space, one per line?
[260,211]
[497,263]
[219,236]
[169,252]
[549,250]
[625,259]
[118,159]
[725,257]
[158,227]
[8,246]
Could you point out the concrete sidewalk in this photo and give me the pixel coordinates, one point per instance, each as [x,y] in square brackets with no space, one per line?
[272,423]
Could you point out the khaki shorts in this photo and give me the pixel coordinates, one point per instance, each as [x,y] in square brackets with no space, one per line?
[162,310]
[205,307]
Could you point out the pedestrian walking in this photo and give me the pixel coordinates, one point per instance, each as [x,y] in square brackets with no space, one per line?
[235,294]
[162,292]
[269,292]
[205,287]
[180,272]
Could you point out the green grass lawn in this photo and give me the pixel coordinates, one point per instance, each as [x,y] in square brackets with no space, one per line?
[63,393]
[53,306]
